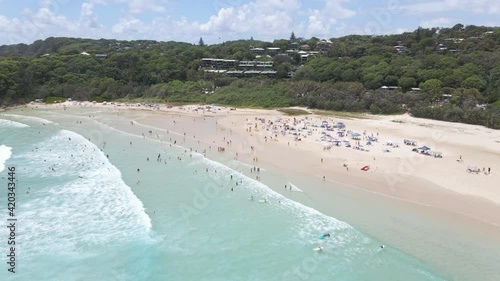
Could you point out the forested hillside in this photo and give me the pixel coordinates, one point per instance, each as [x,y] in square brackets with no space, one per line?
[448,74]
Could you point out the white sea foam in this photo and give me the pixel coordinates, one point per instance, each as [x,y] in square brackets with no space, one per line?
[88,206]
[262,190]
[5,153]
[308,223]
[11,124]
[239,163]
[29,118]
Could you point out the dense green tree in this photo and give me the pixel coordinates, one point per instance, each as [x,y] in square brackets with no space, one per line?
[432,87]
[474,82]
[406,83]
[468,70]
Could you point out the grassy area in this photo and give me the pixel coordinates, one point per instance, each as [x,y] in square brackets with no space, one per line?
[341,114]
[51,100]
[495,105]
[293,111]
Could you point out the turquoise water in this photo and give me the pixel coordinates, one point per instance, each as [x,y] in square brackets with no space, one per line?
[84,216]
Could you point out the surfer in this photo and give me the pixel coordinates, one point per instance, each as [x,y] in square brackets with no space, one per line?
[326,235]
[382,246]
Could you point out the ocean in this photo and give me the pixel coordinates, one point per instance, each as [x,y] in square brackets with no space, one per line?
[94,202]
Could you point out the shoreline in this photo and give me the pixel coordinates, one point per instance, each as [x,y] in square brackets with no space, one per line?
[427,192]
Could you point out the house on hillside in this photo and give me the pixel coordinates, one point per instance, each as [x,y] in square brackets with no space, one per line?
[246,64]
[257,51]
[235,73]
[273,50]
[264,64]
[269,73]
[390,88]
[324,45]
[218,63]
[441,47]
[213,73]
[305,57]
[400,48]
[305,47]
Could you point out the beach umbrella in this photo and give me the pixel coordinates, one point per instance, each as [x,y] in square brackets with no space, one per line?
[356,135]
[425,148]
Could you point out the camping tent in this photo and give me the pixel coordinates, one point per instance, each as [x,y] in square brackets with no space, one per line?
[356,136]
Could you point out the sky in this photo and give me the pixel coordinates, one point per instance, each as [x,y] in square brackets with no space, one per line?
[24,21]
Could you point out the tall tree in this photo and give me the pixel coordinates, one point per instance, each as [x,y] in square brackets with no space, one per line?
[201,43]
[292,37]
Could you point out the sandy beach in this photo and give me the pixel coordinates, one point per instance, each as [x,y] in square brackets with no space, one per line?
[257,137]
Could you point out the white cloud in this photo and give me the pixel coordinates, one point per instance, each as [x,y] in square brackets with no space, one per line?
[263,17]
[88,16]
[436,6]
[138,6]
[401,30]
[437,22]
[46,23]
[322,21]
[130,25]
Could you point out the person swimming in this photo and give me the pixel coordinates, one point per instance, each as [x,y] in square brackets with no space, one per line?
[382,246]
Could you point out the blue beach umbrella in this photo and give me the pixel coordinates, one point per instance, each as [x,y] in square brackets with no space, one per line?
[425,148]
